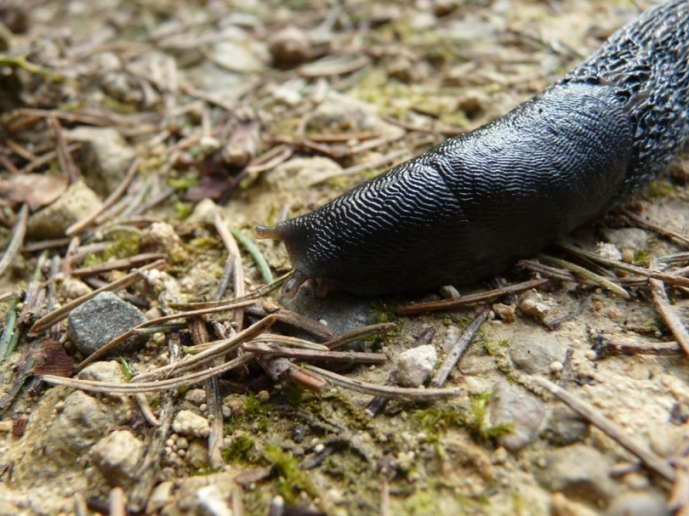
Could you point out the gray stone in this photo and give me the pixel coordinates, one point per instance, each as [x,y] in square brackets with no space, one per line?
[578,472]
[76,203]
[415,365]
[512,404]
[627,238]
[638,503]
[117,456]
[535,350]
[103,157]
[95,323]
[565,427]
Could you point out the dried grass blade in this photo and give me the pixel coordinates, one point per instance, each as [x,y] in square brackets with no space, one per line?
[387,391]
[15,244]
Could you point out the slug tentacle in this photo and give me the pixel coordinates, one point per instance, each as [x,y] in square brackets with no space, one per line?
[471,206]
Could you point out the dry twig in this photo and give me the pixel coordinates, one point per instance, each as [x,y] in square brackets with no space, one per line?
[593,416]
[459,348]
[450,304]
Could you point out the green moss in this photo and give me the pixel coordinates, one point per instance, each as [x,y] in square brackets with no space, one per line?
[294,394]
[291,480]
[126,244]
[642,257]
[153,401]
[660,189]
[420,503]
[242,449]
[438,419]
[183,209]
[476,422]
[182,183]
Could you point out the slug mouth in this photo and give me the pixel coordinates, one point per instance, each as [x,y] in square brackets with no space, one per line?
[298,278]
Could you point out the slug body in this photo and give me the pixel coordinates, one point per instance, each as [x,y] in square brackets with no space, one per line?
[470,207]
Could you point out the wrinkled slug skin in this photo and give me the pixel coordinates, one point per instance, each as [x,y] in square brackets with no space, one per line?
[470,207]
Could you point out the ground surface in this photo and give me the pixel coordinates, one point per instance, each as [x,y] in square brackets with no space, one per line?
[270,109]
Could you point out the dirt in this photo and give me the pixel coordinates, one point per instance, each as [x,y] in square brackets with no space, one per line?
[199,91]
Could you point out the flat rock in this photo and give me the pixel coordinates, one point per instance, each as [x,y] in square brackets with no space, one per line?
[95,323]
[512,404]
[117,456]
[341,312]
[638,503]
[565,427]
[82,421]
[535,350]
[76,203]
[103,158]
[577,471]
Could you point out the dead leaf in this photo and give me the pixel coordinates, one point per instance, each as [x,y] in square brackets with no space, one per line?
[51,358]
[37,190]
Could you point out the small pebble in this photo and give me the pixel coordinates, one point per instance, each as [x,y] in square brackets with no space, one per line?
[556,367]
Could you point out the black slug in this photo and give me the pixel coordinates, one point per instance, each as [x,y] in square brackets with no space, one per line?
[470,207]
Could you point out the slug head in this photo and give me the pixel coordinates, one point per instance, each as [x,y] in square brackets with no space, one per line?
[296,243]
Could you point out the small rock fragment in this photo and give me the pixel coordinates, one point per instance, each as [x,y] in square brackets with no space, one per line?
[512,404]
[532,305]
[197,454]
[117,456]
[161,237]
[666,441]
[76,203]
[95,323]
[103,157]
[643,503]
[627,238]
[579,472]
[211,502]
[415,365]
[160,497]
[627,256]
[72,288]
[505,312]
[102,371]
[191,424]
[195,396]
[608,251]
[289,47]
[189,498]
